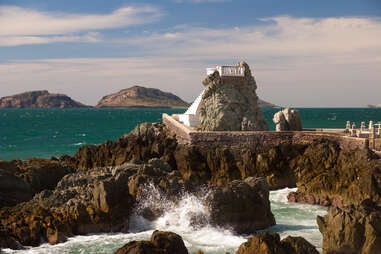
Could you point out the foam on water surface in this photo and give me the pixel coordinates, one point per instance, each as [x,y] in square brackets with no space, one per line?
[292,219]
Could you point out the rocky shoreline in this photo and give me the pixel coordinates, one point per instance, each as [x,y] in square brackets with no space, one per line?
[96,189]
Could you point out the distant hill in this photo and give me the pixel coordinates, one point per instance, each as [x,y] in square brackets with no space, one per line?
[138,96]
[263,103]
[39,99]
[374,106]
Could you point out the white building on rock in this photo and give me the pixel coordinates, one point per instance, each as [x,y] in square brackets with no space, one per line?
[191,116]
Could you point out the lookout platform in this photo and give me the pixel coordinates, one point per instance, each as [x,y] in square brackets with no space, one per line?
[190,135]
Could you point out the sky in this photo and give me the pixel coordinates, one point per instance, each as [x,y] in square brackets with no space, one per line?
[302,53]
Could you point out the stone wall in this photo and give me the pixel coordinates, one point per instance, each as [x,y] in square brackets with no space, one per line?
[182,132]
[260,139]
[265,139]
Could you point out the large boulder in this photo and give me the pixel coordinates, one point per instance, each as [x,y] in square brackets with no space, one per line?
[243,206]
[287,120]
[352,229]
[231,103]
[161,243]
[270,243]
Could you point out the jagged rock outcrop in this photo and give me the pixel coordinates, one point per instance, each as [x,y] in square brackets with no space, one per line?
[231,103]
[243,206]
[320,167]
[138,96]
[39,99]
[352,229]
[97,200]
[270,243]
[287,120]
[329,175]
[83,202]
[21,180]
[161,243]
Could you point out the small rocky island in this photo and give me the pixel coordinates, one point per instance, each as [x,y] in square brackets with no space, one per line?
[138,96]
[39,99]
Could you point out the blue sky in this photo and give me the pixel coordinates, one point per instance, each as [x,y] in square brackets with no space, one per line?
[302,53]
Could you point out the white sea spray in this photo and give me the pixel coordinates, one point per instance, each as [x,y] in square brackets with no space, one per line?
[183,217]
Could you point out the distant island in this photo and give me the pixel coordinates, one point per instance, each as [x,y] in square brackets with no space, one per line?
[138,96]
[39,99]
[133,97]
[374,106]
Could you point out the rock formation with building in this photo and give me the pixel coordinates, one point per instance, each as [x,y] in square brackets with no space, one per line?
[287,120]
[39,99]
[230,102]
[138,96]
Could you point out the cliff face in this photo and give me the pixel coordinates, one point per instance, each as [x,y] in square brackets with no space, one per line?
[39,99]
[138,96]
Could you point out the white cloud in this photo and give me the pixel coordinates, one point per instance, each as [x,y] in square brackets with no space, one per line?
[32,26]
[24,40]
[297,62]
[279,37]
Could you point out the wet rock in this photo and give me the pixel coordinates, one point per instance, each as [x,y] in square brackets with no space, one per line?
[270,243]
[243,206]
[161,243]
[231,103]
[287,120]
[352,229]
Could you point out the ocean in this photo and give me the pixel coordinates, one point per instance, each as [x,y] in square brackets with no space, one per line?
[26,133]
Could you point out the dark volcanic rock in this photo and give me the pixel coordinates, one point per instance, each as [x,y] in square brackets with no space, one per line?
[231,103]
[270,243]
[321,167]
[39,99]
[97,200]
[138,96]
[161,243]
[352,229]
[336,177]
[21,180]
[243,206]
[82,203]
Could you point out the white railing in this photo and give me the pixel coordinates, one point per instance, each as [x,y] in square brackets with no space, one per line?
[231,71]
[227,70]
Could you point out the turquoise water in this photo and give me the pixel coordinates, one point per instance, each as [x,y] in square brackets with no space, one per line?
[43,133]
